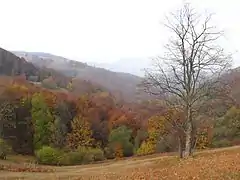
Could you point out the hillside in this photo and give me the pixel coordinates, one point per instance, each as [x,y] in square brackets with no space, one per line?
[13,65]
[233,80]
[86,78]
[122,84]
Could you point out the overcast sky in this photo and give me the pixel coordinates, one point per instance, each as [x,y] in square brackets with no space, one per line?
[102,30]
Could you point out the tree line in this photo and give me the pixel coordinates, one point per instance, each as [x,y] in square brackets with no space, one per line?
[193,107]
[39,122]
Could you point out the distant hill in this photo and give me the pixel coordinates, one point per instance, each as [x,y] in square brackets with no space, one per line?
[85,78]
[12,65]
[134,66]
[122,84]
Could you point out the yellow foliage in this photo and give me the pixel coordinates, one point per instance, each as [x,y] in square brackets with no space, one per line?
[147,147]
[202,140]
[81,134]
[17,90]
[156,128]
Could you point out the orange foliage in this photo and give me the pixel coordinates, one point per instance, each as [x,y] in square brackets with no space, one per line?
[118,151]
[50,98]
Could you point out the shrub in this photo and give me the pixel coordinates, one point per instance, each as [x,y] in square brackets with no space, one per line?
[82,155]
[109,153]
[122,136]
[73,158]
[128,149]
[98,154]
[85,155]
[202,141]
[48,155]
[221,143]
[79,156]
[146,148]
[4,149]
[118,151]
[64,160]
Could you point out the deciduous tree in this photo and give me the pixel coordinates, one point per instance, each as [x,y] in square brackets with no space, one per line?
[42,121]
[188,74]
[120,137]
[81,134]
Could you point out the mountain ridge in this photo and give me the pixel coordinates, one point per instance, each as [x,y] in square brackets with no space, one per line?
[122,83]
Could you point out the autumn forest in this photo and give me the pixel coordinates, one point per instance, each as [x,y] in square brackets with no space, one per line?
[62,119]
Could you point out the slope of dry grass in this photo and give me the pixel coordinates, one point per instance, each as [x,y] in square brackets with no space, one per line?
[220,164]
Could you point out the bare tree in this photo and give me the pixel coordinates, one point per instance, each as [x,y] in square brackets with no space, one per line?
[190,71]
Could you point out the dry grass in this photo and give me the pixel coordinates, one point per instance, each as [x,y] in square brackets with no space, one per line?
[220,164]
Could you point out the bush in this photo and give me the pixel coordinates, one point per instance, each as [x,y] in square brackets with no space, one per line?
[128,149]
[121,137]
[221,143]
[98,154]
[83,155]
[109,153]
[48,155]
[146,148]
[118,151]
[4,149]
[73,158]
[64,160]
[86,155]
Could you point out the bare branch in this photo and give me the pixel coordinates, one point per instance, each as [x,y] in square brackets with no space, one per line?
[189,73]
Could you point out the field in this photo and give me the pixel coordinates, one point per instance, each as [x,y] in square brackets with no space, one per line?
[219,164]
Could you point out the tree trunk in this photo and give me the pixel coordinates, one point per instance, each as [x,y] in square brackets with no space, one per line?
[189,131]
[188,149]
[180,147]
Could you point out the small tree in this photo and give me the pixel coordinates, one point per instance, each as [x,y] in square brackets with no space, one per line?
[81,134]
[42,121]
[156,131]
[189,73]
[59,133]
[120,137]
[49,83]
[146,148]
